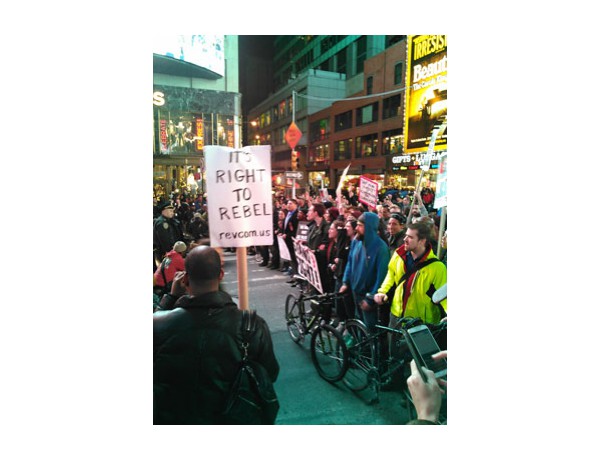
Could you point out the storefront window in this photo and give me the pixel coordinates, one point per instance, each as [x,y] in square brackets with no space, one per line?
[318,179]
[178,133]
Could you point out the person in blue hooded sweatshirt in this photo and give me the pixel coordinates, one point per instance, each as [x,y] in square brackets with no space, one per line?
[366,267]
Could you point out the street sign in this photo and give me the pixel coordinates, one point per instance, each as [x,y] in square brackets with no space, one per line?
[293,135]
[294,175]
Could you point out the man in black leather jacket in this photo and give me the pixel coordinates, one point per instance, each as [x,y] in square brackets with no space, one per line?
[197,343]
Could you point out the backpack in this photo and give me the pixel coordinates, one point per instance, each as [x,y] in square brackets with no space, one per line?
[252,399]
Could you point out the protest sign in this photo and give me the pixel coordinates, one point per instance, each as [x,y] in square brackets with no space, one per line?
[441,186]
[284,252]
[368,192]
[338,190]
[238,184]
[303,229]
[307,265]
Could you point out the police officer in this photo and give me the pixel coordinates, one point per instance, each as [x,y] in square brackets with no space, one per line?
[167,230]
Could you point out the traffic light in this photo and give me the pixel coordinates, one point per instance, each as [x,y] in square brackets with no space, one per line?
[295,160]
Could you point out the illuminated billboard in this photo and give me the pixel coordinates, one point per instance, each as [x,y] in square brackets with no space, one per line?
[206,51]
[427,94]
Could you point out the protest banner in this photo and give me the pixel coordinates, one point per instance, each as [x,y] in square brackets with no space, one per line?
[240,206]
[369,190]
[303,229]
[307,265]
[284,252]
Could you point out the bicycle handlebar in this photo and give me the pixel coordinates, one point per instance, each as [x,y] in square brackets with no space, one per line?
[325,296]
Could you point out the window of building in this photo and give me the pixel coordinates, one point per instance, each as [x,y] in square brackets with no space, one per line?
[341,149]
[366,146]
[281,109]
[319,154]
[281,135]
[393,39]
[392,142]
[304,61]
[265,119]
[341,61]
[330,41]
[398,74]
[369,85]
[188,132]
[319,130]
[367,114]
[392,106]
[361,53]
[343,121]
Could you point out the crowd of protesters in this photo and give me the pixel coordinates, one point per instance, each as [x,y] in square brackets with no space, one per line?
[361,251]
[183,220]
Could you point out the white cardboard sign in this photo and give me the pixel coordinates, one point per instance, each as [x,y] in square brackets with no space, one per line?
[369,190]
[238,186]
[307,265]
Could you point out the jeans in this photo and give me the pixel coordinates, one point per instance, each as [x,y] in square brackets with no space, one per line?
[367,317]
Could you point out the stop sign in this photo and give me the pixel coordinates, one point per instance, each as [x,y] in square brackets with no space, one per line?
[293,135]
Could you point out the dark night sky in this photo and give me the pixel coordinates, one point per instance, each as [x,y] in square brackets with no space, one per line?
[256,69]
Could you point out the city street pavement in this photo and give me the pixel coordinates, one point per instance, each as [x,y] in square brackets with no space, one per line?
[305,398]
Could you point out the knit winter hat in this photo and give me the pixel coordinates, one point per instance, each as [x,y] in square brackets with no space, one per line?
[180,247]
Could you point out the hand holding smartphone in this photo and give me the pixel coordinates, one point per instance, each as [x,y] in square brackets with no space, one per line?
[422,346]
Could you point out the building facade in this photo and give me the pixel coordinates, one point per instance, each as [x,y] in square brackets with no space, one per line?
[367,132]
[193,106]
[347,95]
[310,72]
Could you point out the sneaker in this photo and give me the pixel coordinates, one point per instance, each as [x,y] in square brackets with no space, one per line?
[263,264]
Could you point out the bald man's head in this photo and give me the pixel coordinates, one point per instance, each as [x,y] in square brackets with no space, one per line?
[203,264]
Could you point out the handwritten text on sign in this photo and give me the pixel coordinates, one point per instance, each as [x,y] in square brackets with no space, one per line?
[240,206]
[307,265]
[368,191]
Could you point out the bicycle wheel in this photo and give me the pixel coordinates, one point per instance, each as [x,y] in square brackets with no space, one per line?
[293,318]
[328,352]
[361,356]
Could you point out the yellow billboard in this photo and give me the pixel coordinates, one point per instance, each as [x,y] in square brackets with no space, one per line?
[427,92]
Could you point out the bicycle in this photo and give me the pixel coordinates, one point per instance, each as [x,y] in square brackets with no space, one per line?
[327,347]
[301,320]
[362,358]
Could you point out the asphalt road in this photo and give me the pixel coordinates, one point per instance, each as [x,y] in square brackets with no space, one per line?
[305,398]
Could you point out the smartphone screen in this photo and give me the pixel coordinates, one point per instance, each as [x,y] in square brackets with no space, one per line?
[426,346]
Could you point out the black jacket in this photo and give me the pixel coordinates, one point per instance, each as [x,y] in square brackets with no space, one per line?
[166,233]
[196,356]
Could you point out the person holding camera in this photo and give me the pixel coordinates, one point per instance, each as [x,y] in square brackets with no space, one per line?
[197,345]
[426,396]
